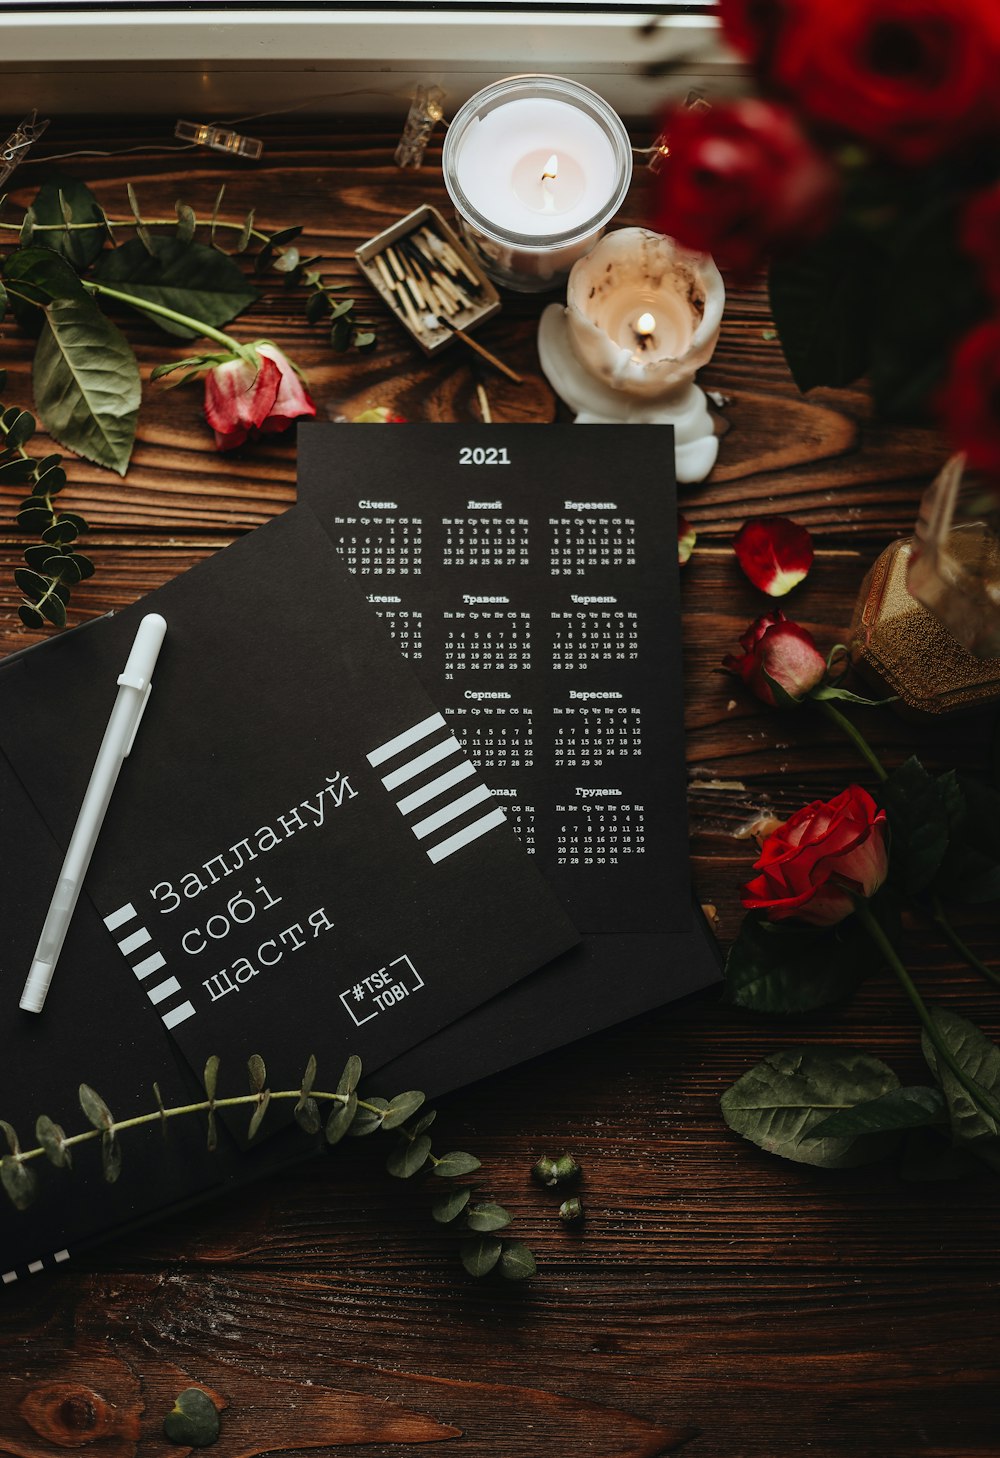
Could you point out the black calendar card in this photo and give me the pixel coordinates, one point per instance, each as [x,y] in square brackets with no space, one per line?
[299,855]
[530,577]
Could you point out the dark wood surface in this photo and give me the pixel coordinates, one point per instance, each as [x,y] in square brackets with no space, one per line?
[780,1311]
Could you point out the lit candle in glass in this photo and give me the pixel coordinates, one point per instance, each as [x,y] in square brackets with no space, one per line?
[642,316]
[536,167]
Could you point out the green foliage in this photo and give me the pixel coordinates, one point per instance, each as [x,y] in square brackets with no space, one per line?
[189,277]
[900,1108]
[86,383]
[61,203]
[973,1129]
[193,1421]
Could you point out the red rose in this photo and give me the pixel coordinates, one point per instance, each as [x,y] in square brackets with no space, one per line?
[914,78]
[242,398]
[971,398]
[742,181]
[980,236]
[810,865]
[754,27]
[776,650]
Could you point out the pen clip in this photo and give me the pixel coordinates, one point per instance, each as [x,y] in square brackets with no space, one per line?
[138,717]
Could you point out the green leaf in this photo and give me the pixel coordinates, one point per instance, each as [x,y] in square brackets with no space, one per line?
[10,1134]
[190,278]
[193,1421]
[340,335]
[366,1121]
[18,1180]
[37,556]
[309,1077]
[516,1261]
[424,1122]
[456,1163]
[30,583]
[16,472]
[35,519]
[94,1107]
[64,568]
[784,967]
[86,383]
[480,1255]
[487,1217]
[285,235]
[20,430]
[186,222]
[307,1115]
[3,301]
[257,1072]
[211,1132]
[364,340]
[111,1157]
[401,1107]
[340,1121]
[41,276]
[257,1117]
[351,1076]
[409,1157]
[901,1108]
[245,233]
[64,198]
[53,1140]
[821,300]
[84,565]
[979,1059]
[30,617]
[212,1076]
[317,308]
[54,608]
[342,307]
[452,1205]
[215,213]
[919,824]
[777,1103]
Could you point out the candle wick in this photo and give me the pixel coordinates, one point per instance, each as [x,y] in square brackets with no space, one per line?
[549,176]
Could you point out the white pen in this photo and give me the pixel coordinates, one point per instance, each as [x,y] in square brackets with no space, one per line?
[133,694]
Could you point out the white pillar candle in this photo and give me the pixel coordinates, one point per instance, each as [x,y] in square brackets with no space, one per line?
[536,166]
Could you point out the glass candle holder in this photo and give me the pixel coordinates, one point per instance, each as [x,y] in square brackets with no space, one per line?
[536,167]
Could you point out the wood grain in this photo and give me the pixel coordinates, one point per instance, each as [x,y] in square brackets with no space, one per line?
[780,1311]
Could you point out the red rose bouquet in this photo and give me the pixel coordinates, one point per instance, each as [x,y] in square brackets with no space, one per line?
[866,174]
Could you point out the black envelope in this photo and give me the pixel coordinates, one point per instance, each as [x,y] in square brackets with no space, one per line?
[299,857]
[531,577]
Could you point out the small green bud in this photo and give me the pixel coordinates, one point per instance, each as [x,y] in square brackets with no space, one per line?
[571,1210]
[552,1172]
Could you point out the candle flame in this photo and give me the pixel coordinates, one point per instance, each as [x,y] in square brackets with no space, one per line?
[645,324]
[551,171]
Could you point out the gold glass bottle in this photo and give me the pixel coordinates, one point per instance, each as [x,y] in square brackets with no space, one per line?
[927,621]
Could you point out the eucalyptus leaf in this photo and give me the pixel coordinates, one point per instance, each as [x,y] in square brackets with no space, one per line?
[20,430]
[64,568]
[16,472]
[307,1115]
[257,1118]
[3,301]
[211,1132]
[309,1077]
[30,583]
[351,1076]
[30,617]
[53,607]
[401,1107]
[190,278]
[256,1072]
[84,565]
[62,199]
[487,1217]
[979,1059]
[193,1421]
[342,307]
[246,233]
[901,1108]
[111,1157]
[10,1135]
[53,1140]
[211,1079]
[340,1121]
[424,1122]
[456,1163]
[186,222]
[366,1121]
[516,1261]
[340,335]
[86,383]
[480,1255]
[777,1103]
[18,1181]
[94,1107]
[409,1157]
[452,1204]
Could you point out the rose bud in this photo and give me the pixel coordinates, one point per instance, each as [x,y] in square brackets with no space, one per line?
[777,651]
[242,397]
[774,552]
[811,866]
[743,182]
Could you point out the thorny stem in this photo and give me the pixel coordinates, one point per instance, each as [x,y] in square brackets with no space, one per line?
[978,1094]
[204,1107]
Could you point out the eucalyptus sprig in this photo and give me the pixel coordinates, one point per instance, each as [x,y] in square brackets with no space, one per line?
[481,1251]
[53,568]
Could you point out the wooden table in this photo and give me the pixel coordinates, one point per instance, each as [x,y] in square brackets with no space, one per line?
[779,1310]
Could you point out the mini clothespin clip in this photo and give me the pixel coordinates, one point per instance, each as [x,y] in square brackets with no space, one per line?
[219,139]
[423,116]
[15,148]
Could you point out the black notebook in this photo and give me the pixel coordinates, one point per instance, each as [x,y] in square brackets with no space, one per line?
[299,857]
[530,577]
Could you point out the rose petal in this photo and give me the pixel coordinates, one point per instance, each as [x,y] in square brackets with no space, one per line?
[686,538]
[774,552]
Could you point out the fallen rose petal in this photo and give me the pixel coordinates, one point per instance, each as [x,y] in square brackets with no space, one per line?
[686,538]
[774,552]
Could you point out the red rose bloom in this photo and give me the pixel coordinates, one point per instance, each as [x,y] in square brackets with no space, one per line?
[980,236]
[742,181]
[776,650]
[971,398]
[914,78]
[754,27]
[810,865]
[243,398]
